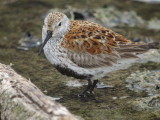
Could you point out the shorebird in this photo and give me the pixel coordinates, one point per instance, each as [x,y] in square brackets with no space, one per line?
[84,49]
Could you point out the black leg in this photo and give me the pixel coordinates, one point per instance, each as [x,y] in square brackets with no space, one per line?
[87,89]
[93,86]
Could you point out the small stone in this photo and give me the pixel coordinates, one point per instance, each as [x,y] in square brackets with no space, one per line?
[147,81]
[123,97]
[74,84]
[114,98]
[101,85]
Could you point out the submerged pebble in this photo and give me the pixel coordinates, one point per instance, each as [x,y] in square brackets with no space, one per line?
[114,98]
[112,17]
[149,1]
[152,102]
[55,98]
[101,85]
[148,81]
[143,39]
[122,97]
[74,84]
[28,41]
[109,17]
[154,24]
[9,1]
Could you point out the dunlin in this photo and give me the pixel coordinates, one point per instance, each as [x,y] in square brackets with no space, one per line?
[85,50]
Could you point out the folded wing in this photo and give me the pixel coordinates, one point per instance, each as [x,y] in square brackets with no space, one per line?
[91,45]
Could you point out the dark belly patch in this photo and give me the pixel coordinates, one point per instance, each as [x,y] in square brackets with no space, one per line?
[71,73]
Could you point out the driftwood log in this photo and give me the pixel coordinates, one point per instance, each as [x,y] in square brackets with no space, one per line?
[20,99]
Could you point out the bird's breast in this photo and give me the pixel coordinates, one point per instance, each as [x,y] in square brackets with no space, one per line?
[54,52]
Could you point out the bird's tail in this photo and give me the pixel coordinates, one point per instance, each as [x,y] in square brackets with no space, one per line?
[153,45]
[133,49]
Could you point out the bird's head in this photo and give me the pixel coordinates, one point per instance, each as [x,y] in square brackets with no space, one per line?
[56,25]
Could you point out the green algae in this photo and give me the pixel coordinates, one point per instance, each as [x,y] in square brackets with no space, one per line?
[22,16]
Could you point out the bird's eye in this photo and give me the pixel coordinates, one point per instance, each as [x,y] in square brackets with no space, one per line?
[59,24]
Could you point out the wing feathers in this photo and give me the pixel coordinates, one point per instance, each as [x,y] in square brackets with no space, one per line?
[87,60]
[90,45]
[134,50]
[128,56]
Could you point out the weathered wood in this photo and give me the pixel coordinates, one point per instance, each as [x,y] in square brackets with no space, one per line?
[20,99]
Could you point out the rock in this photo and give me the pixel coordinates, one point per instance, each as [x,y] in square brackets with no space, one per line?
[9,1]
[28,41]
[149,1]
[101,85]
[148,81]
[74,83]
[147,103]
[154,24]
[112,17]
[20,99]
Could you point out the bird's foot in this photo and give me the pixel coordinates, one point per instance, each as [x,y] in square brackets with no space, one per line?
[81,95]
[89,90]
[86,94]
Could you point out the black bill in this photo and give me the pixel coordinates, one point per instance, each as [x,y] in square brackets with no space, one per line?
[49,35]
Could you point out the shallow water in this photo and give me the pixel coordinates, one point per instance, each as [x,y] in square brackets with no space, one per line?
[21,16]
